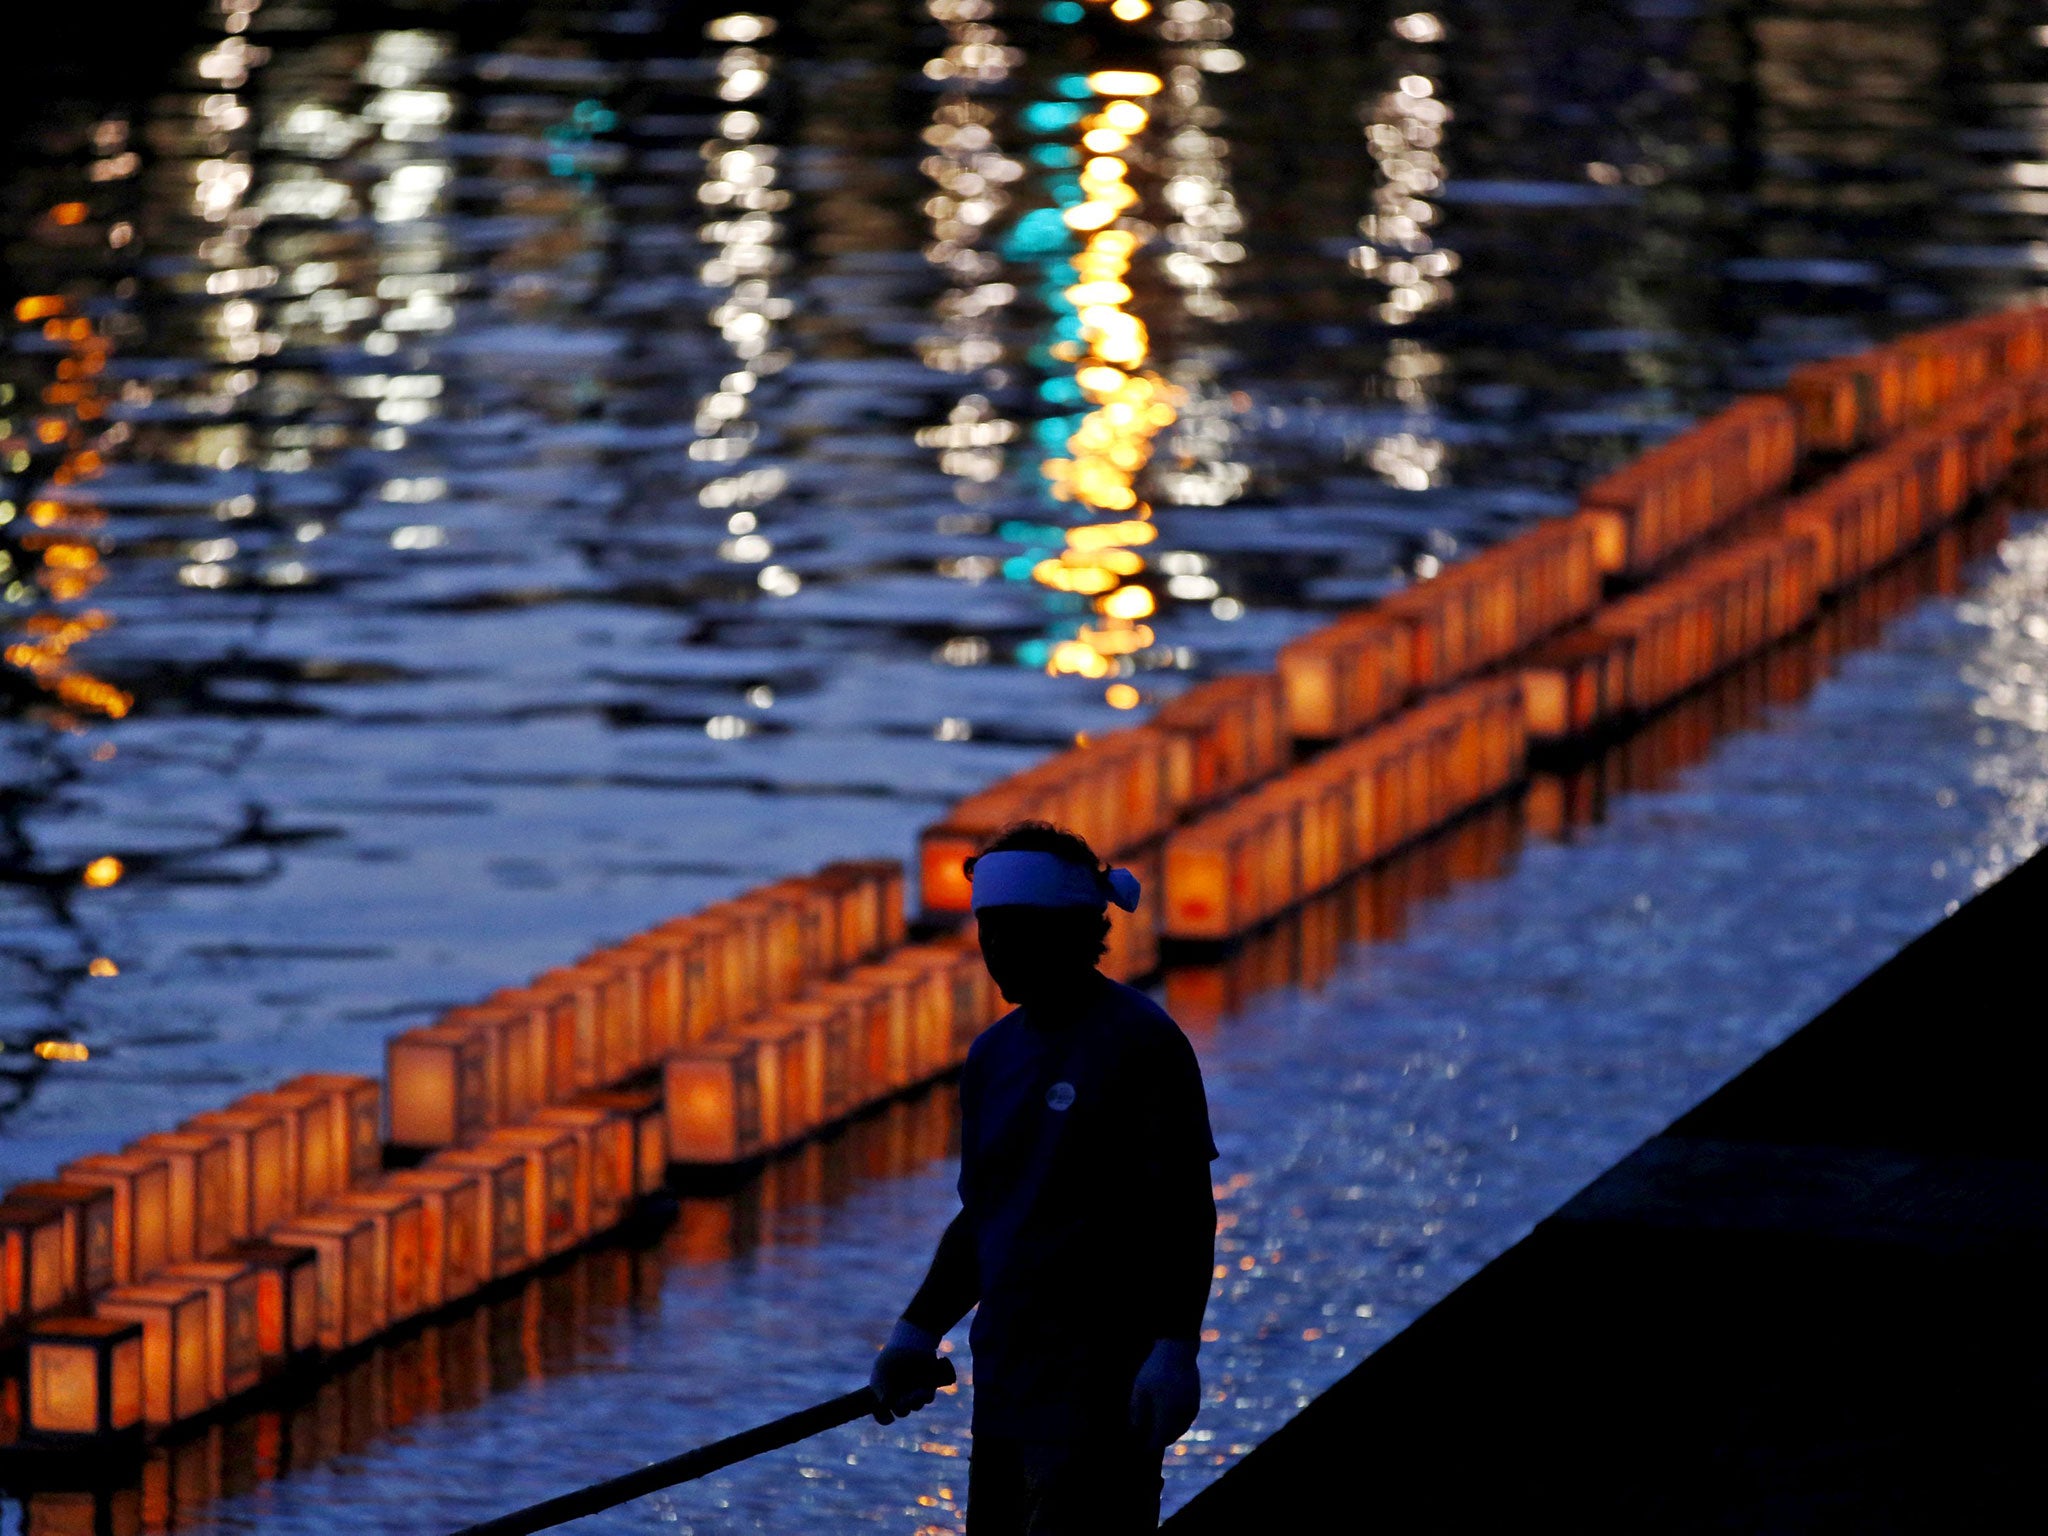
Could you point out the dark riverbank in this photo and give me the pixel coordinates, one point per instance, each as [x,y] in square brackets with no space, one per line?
[1810,1304]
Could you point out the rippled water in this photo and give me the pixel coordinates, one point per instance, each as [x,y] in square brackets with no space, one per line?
[446,658]
[1528,1009]
[412,540]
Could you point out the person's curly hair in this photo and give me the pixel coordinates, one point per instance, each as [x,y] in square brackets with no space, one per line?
[1090,929]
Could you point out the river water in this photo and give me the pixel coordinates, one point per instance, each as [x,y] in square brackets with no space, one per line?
[520,514]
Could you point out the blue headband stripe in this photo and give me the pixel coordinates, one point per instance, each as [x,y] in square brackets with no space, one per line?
[1019,877]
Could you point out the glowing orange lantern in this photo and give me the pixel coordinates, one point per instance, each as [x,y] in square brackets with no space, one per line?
[773,941]
[887,877]
[695,951]
[34,1263]
[344,1247]
[656,964]
[88,1230]
[792,1074]
[233,1334]
[713,1091]
[259,1162]
[622,1031]
[85,1378]
[453,1222]
[176,1349]
[557,1206]
[642,1107]
[830,1068]
[314,1174]
[440,1085]
[502,1240]
[356,1105]
[573,1044]
[141,1188]
[605,1160]
[732,958]
[399,1222]
[287,1300]
[926,1008]
[942,855]
[515,1024]
[202,1190]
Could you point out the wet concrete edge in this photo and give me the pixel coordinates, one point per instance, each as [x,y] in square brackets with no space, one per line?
[1811,1303]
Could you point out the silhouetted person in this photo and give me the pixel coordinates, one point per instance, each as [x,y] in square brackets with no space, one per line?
[1087,1227]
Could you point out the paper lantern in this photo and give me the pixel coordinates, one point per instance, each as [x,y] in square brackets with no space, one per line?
[503,1242]
[574,1046]
[942,855]
[792,1068]
[557,1205]
[659,963]
[643,1108]
[141,1188]
[233,1330]
[176,1349]
[833,1068]
[401,1242]
[777,927]
[88,1230]
[621,1004]
[814,903]
[453,1224]
[85,1378]
[604,1159]
[976,1004]
[515,1025]
[259,1166]
[315,1172]
[926,1009]
[202,1190]
[344,1247]
[880,1024]
[357,1107]
[440,1084]
[287,1300]
[35,1264]
[713,1094]
[695,951]
[879,885]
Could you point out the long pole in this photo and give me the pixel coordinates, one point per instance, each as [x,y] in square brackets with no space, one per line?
[701,1462]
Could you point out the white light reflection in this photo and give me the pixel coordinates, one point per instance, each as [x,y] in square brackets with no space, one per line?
[972,176]
[742,202]
[1404,130]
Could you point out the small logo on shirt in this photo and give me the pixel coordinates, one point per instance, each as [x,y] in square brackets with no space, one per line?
[1060,1096]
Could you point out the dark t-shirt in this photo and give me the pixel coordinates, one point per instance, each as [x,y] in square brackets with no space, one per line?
[1084,1184]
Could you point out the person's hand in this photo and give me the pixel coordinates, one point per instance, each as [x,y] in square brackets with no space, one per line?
[905,1377]
[1167,1394]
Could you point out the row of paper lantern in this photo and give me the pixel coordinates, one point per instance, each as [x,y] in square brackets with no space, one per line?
[162,1280]
[1595,615]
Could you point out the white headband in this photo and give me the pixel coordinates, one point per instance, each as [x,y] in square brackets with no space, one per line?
[1016,877]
